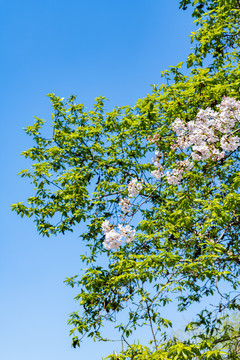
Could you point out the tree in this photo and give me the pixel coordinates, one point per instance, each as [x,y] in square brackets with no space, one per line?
[96,168]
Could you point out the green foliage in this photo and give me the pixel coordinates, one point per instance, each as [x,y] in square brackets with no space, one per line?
[187,241]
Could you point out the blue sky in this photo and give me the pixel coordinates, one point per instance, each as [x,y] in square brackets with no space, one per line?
[88,48]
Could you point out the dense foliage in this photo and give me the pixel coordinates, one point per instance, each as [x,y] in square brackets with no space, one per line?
[182,236]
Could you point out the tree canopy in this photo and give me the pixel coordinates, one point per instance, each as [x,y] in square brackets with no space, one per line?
[178,213]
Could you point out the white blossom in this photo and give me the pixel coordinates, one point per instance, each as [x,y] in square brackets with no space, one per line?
[125,205]
[230,143]
[158,174]
[127,232]
[175,177]
[205,133]
[134,187]
[106,226]
[112,240]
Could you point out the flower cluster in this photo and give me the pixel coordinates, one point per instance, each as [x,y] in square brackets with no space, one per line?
[230,144]
[209,136]
[158,174]
[134,187]
[176,175]
[127,232]
[113,238]
[125,205]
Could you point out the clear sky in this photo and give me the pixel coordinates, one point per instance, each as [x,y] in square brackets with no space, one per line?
[87,48]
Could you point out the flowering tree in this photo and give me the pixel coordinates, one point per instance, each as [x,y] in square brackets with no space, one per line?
[167,226]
